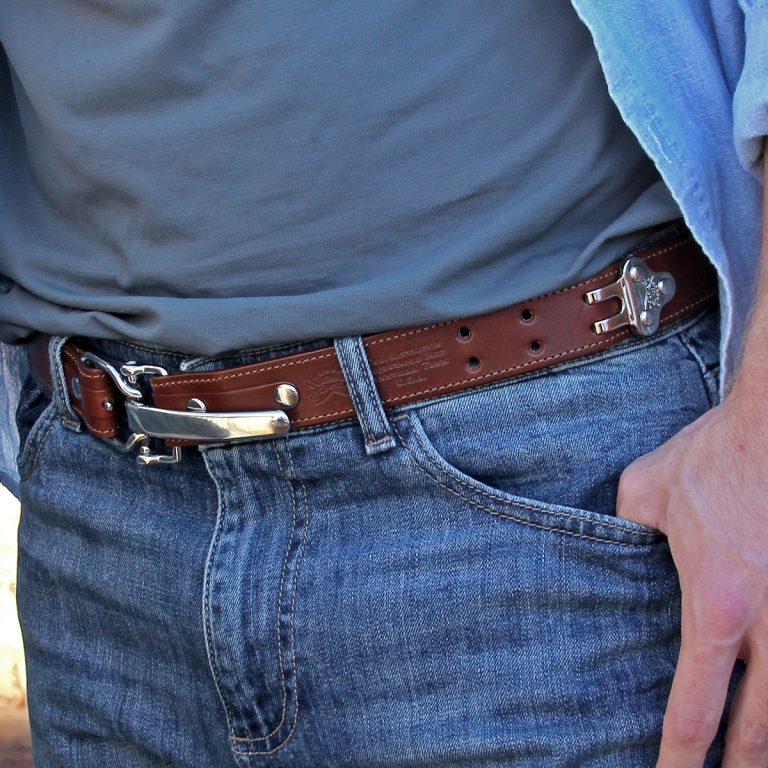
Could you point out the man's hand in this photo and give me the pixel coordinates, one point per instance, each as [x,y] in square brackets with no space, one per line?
[707,489]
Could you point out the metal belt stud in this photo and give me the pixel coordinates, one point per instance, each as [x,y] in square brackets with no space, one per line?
[642,294]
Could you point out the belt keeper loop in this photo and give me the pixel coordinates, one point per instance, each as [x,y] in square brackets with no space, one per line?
[60,393]
[366,399]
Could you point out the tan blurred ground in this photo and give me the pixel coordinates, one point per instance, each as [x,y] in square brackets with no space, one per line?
[14,729]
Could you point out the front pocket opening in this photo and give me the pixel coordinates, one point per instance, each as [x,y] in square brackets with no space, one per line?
[527,511]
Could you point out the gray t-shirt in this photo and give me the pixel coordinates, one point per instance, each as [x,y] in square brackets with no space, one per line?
[208,176]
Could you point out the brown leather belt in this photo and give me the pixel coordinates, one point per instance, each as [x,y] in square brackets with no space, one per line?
[409,364]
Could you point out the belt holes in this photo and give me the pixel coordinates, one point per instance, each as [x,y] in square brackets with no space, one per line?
[473,364]
[464,333]
[535,347]
[527,315]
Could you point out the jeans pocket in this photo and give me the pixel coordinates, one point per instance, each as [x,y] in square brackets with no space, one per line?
[35,415]
[534,512]
[548,451]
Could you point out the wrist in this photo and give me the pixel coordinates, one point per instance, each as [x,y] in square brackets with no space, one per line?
[747,401]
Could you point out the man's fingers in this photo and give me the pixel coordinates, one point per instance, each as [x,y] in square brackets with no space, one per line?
[640,497]
[696,702]
[747,736]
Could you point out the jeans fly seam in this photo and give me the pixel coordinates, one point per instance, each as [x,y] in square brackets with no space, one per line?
[299,560]
[213,549]
[277,618]
[291,479]
[521,520]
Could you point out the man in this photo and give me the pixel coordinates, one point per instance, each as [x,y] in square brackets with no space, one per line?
[233,194]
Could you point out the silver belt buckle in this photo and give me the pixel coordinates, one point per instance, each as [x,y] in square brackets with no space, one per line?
[190,425]
[642,293]
[196,424]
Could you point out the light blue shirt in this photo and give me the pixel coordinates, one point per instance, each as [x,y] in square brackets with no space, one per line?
[689,80]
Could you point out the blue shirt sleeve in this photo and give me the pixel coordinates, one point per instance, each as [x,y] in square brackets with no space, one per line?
[750,104]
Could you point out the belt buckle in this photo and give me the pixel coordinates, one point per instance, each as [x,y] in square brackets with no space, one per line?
[642,294]
[197,424]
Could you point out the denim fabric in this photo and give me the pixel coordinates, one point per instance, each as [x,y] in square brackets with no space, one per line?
[13,369]
[464,597]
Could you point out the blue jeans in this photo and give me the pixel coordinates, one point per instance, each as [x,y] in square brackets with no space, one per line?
[439,584]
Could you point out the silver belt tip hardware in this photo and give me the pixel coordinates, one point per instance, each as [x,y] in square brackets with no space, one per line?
[642,294]
[198,425]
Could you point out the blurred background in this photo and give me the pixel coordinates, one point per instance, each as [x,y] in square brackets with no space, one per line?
[14,729]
